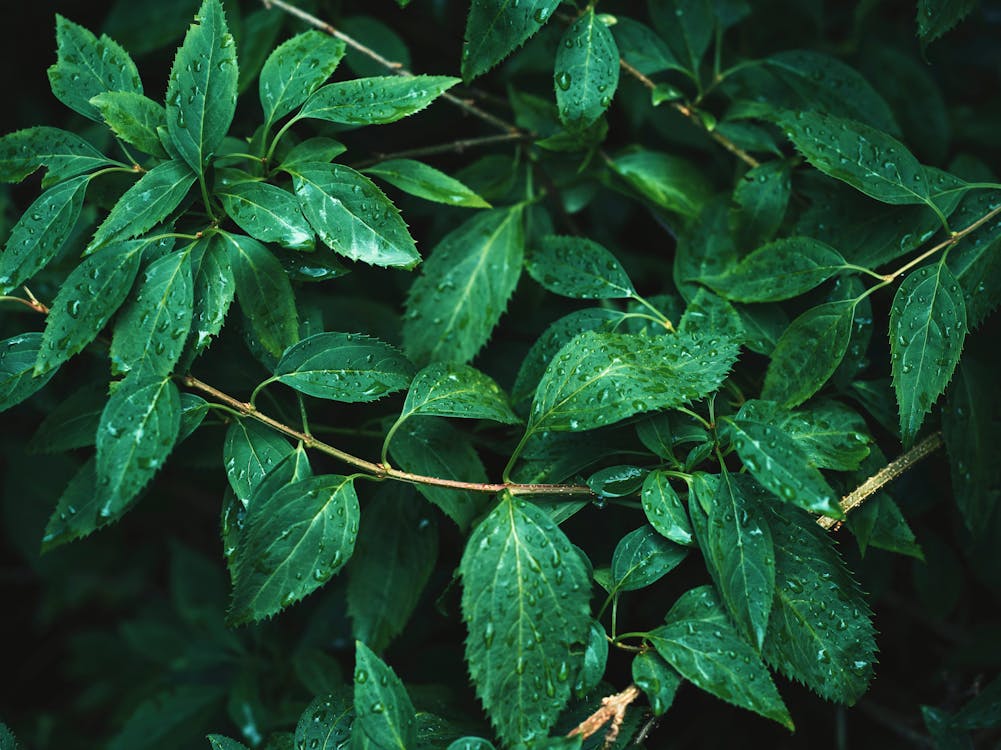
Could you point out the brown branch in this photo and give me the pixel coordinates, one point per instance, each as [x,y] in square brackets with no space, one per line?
[444,148]
[613,708]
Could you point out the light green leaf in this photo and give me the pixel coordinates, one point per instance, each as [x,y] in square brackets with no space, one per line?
[464,287]
[348,367]
[687,26]
[668,181]
[150,331]
[578,267]
[352,216]
[495,28]
[72,423]
[294,70]
[525,598]
[268,214]
[65,154]
[214,288]
[40,232]
[17,363]
[312,149]
[643,557]
[86,66]
[250,452]
[201,91]
[809,352]
[658,680]
[264,293]
[292,543]
[374,101]
[927,330]
[664,510]
[383,708]
[587,71]
[417,178]
[448,390]
[707,650]
[762,195]
[642,48]
[935,17]
[88,298]
[326,722]
[134,118]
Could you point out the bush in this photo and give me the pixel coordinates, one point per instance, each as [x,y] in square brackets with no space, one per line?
[547,387]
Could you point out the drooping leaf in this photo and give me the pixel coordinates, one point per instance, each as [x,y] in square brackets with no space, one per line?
[292,543]
[643,557]
[658,680]
[352,216]
[17,363]
[65,154]
[935,17]
[525,598]
[586,71]
[495,28]
[449,390]
[417,178]
[927,330]
[134,118]
[374,101]
[687,26]
[664,510]
[880,523]
[464,287]
[762,195]
[702,645]
[214,289]
[668,181]
[578,267]
[383,710]
[326,722]
[268,214]
[201,90]
[295,69]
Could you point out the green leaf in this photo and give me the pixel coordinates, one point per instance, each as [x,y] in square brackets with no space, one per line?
[374,101]
[935,17]
[268,214]
[642,48]
[809,352]
[326,722]
[378,36]
[602,378]
[820,632]
[292,543]
[687,26]
[264,293]
[464,287]
[352,216]
[780,464]
[150,331]
[471,743]
[779,270]
[168,712]
[344,367]
[495,28]
[310,150]
[214,289]
[77,513]
[134,118]
[710,315]
[447,390]
[393,560]
[668,181]
[762,195]
[88,298]
[525,598]
[595,660]
[417,178]
[17,364]
[587,71]
[383,708]
[201,90]
[72,423]
[294,70]
[664,510]
[65,155]
[658,680]
[250,452]
[40,232]
[880,523]
[432,447]
[975,260]
[138,428]
[706,248]
[617,481]
[578,267]
[707,650]
[218,742]
[643,557]
[927,330]
[87,66]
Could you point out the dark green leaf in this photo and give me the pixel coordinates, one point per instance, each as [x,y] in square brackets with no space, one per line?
[642,48]
[72,423]
[578,267]
[664,510]
[449,390]
[669,181]
[292,543]
[762,195]
[879,523]
[77,513]
[617,481]
[374,101]
[312,149]
[134,118]
[65,155]
[295,69]
[214,288]
[465,285]
[643,557]
[326,722]
[218,742]
[975,261]
[935,17]
[710,316]
[251,451]
[658,680]
[377,36]
[194,409]
[267,213]
[706,248]
[525,598]
[471,743]
[167,712]
[587,70]
[383,708]
[495,28]
[595,660]
[17,364]
[417,178]
[983,711]
[687,26]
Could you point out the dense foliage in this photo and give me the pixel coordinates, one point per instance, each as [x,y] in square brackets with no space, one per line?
[433,375]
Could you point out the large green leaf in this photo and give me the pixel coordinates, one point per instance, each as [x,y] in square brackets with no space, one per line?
[383,710]
[344,367]
[374,101]
[201,90]
[65,154]
[707,650]
[86,66]
[448,390]
[214,289]
[292,543]
[40,232]
[935,17]
[352,216]
[643,557]
[134,118]
[17,364]
[464,287]
[587,70]
[495,28]
[294,70]
[578,267]
[525,598]
[668,181]
[664,510]
[762,195]
[250,452]
[927,330]
[417,178]
[268,214]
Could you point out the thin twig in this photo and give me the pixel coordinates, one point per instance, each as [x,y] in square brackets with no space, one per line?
[444,148]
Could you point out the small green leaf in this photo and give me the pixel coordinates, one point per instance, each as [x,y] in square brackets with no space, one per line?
[250,452]
[417,178]
[687,26]
[40,232]
[658,680]
[935,17]
[974,261]
[707,650]
[525,598]
[709,315]
[617,481]
[880,523]
[587,71]
[374,101]
[201,90]
[17,363]
[268,214]
[326,722]
[495,28]
[762,195]
[352,216]
[344,367]
[448,390]
[464,287]
[706,248]
[927,330]
[595,660]
[312,149]
[809,352]
[643,557]
[664,510]
[668,181]
[65,155]
[294,70]
[134,118]
[218,742]
[383,708]
[77,513]
[214,289]
[87,66]
[292,543]
[642,48]
[578,267]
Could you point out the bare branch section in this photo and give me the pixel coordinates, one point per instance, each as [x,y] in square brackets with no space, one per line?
[613,708]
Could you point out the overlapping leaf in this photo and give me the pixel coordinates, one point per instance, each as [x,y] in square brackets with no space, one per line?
[424,181]
[643,557]
[578,267]
[65,154]
[383,710]
[295,69]
[374,101]
[17,363]
[495,28]
[134,118]
[267,213]
[449,390]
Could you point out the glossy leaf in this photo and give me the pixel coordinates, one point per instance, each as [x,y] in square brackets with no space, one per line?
[134,118]
[292,543]
[17,363]
[218,742]
[374,101]
[383,708]
[668,181]
[617,481]
[664,510]
[317,149]
[495,28]
[295,69]
[250,452]
[595,660]
[643,557]
[578,267]
[471,743]
[525,602]
[214,289]
[762,195]
[587,70]
[423,181]
[448,390]
[710,315]
[464,288]
[326,722]
[65,154]
[658,680]
[268,214]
